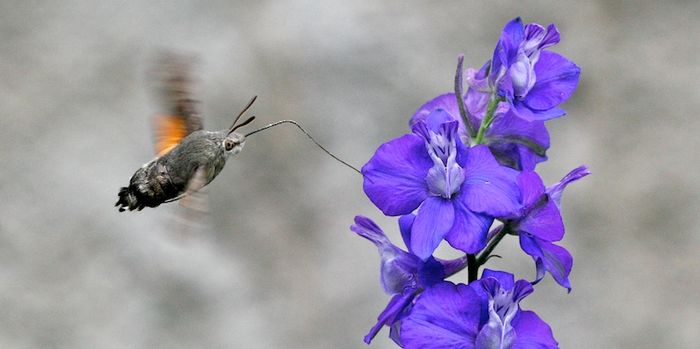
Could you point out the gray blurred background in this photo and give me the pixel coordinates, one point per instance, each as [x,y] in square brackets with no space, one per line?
[275,265]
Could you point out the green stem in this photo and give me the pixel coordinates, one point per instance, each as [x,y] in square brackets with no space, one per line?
[492,244]
[488,119]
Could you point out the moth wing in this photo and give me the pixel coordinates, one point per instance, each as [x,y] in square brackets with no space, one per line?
[194,197]
[191,220]
[172,74]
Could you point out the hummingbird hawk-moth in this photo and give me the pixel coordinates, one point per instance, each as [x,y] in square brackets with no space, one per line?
[187,156]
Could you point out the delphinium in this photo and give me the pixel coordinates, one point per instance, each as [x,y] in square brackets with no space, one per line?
[465,173]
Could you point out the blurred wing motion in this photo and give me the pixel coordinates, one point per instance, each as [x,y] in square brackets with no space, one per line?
[195,203]
[178,116]
[177,119]
[194,198]
[162,179]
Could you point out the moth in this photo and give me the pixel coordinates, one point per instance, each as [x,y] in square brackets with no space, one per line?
[187,156]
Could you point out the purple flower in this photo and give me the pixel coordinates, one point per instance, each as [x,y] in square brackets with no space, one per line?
[539,223]
[531,80]
[482,315]
[457,190]
[515,143]
[403,275]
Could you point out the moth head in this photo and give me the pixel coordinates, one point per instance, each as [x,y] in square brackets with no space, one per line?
[233,143]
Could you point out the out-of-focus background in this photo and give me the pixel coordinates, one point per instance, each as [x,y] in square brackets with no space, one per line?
[275,266]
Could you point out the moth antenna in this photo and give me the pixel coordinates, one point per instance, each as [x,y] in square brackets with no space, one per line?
[307,135]
[245,109]
[249,120]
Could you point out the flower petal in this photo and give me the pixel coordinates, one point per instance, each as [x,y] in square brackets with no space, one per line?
[551,38]
[548,114]
[510,125]
[434,220]
[497,332]
[544,222]
[405,226]
[530,246]
[446,102]
[554,259]
[517,143]
[438,119]
[506,280]
[468,234]
[542,217]
[369,230]
[555,191]
[557,78]
[444,316]
[495,335]
[488,187]
[536,34]
[522,75]
[532,332]
[523,111]
[397,304]
[397,268]
[515,30]
[431,272]
[517,154]
[512,35]
[453,266]
[395,175]
[477,96]
[531,187]
[490,285]
[521,289]
[483,296]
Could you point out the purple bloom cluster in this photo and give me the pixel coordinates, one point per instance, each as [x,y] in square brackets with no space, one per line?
[484,314]
[466,174]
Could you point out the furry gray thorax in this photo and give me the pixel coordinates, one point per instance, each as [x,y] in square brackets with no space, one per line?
[167,177]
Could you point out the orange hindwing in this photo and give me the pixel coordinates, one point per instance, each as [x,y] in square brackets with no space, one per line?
[169,132]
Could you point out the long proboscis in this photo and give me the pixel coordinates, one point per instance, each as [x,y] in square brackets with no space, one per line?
[307,135]
[245,109]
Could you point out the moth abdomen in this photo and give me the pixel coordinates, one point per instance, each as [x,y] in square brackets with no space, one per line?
[150,186]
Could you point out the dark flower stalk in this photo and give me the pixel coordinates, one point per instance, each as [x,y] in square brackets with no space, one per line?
[472,268]
[484,256]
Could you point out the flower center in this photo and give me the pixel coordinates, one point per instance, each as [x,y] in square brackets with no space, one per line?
[503,305]
[522,74]
[446,176]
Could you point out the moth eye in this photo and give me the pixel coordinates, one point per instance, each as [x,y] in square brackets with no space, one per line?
[228,144]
